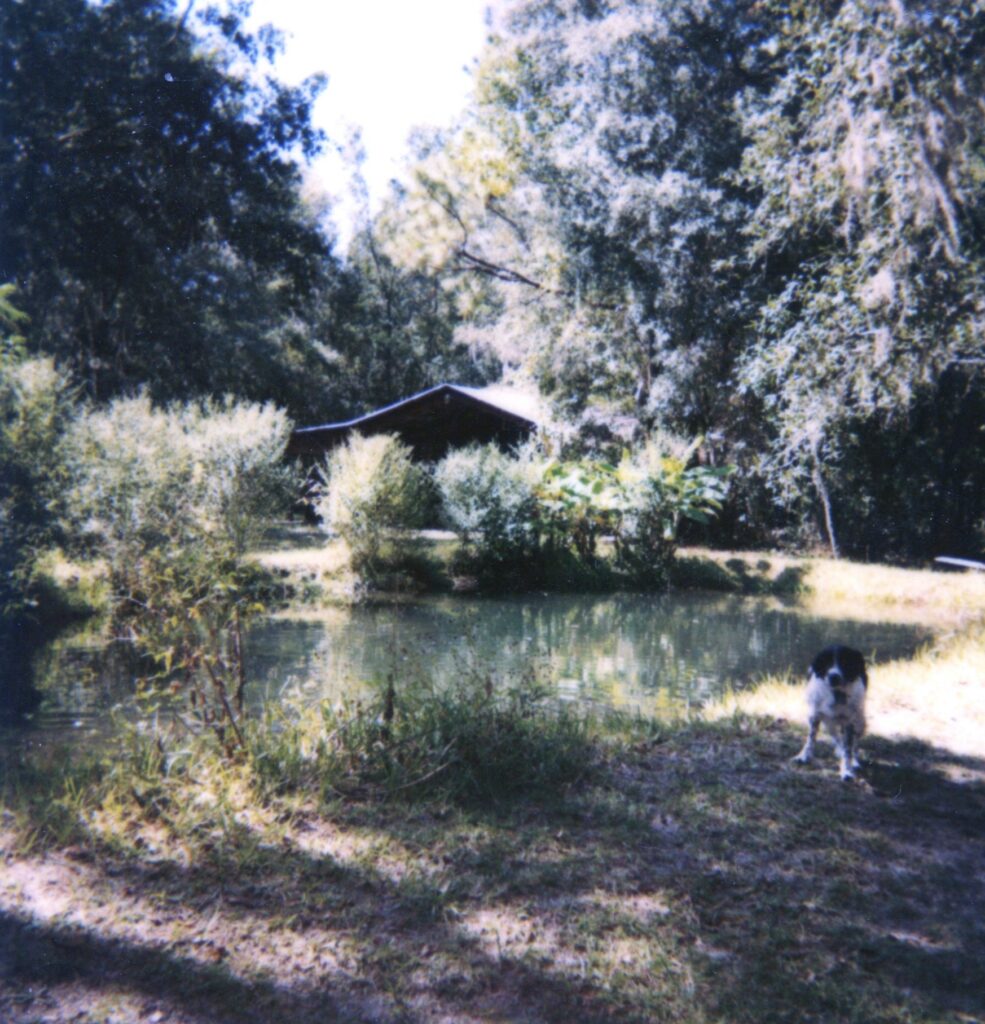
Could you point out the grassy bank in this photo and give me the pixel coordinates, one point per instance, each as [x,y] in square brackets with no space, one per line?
[583,870]
[937,697]
[319,569]
[689,877]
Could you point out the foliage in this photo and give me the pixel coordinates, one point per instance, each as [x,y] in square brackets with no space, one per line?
[590,186]
[35,402]
[372,494]
[143,477]
[576,503]
[171,498]
[189,616]
[867,155]
[755,222]
[392,330]
[472,742]
[489,500]
[151,208]
[659,490]
[531,508]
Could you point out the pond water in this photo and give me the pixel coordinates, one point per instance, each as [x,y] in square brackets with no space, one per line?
[655,654]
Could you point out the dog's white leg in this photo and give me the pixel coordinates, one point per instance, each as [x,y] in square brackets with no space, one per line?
[851,750]
[807,752]
[857,733]
[845,745]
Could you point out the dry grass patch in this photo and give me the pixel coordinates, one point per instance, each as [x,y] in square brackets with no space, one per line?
[944,600]
[329,559]
[840,589]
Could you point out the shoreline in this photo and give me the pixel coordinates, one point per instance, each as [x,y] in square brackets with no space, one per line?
[687,873]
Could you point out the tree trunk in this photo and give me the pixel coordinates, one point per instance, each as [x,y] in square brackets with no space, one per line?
[825,498]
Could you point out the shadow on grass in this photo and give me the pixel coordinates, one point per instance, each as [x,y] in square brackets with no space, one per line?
[700,877]
[36,955]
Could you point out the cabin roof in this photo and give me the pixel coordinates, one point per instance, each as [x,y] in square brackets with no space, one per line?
[435,421]
[503,400]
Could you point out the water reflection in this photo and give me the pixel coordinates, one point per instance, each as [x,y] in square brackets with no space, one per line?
[653,653]
[70,682]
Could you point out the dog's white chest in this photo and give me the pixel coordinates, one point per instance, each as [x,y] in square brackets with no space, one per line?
[842,704]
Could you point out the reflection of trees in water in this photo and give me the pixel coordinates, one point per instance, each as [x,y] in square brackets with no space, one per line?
[68,680]
[18,694]
[655,652]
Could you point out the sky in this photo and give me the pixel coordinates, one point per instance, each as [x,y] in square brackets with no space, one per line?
[391,65]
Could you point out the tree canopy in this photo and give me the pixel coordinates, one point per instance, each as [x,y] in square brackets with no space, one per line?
[760,221]
[150,209]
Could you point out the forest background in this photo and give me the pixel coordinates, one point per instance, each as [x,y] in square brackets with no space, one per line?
[755,222]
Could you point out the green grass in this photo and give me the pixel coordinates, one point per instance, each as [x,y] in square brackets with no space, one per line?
[467,742]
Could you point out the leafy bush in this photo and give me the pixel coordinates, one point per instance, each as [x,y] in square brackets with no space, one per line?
[372,495]
[194,605]
[171,498]
[657,489]
[488,499]
[551,514]
[578,502]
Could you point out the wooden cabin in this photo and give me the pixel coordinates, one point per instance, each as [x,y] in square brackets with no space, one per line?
[432,423]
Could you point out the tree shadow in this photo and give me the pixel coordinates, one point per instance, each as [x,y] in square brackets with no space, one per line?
[391,926]
[747,889]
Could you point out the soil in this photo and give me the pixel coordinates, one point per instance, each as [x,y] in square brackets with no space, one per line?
[700,877]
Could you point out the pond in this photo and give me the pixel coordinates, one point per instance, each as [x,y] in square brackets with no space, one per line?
[655,654]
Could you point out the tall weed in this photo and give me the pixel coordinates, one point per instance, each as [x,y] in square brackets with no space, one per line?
[372,496]
[171,498]
[472,741]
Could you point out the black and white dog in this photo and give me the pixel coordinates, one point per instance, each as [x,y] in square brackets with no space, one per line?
[836,687]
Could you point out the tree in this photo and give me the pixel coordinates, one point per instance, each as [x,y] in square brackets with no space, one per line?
[149,209]
[867,155]
[594,183]
[760,222]
[394,329]
[35,403]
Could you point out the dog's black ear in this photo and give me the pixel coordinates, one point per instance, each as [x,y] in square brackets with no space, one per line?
[823,662]
[853,664]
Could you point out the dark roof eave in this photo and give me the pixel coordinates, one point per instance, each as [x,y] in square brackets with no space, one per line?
[370,416]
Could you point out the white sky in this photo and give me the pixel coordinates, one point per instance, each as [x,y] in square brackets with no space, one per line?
[392,65]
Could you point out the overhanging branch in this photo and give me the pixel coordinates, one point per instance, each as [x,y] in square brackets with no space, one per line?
[510,276]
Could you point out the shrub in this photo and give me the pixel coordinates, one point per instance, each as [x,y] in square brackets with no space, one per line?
[550,514]
[141,477]
[488,499]
[578,502]
[242,481]
[372,495]
[658,490]
[171,498]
